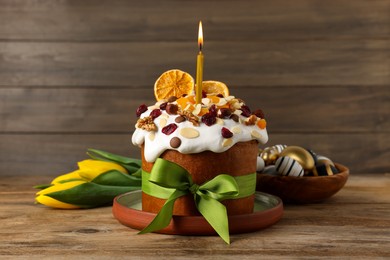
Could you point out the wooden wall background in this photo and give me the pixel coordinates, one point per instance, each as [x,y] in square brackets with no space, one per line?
[73,72]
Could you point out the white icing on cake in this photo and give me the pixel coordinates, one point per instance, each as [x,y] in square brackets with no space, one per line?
[209,139]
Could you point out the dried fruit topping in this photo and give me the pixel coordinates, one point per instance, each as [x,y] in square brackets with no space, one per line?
[251,120]
[204,94]
[220,95]
[163,106]
[209,119]
[171,109]
[169,129]
[245,111]
[225,113]
[226,133]
[213,110]
[142,108]
[173,83]
[259,113]
[262,123]
[155,113]
[172,99]
[235,118]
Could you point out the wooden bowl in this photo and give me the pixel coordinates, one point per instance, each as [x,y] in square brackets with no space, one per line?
[303,189]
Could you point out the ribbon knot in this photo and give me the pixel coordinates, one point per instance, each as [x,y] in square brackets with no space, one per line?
[194,188]
[207,196]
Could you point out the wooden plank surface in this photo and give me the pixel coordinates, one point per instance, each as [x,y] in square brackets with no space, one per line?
[72,73]
[100,110]
[250,63]
[93,20]
[54,154]
[350,224]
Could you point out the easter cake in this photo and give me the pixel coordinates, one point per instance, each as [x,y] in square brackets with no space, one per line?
[220,135]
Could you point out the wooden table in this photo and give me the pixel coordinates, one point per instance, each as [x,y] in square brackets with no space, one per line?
[355,222]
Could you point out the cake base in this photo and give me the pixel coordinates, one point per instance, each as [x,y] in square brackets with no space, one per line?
[239,160]
[268,210]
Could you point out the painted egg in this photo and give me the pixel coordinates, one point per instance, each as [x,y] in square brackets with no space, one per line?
[271,170]
[314,155]
[287,166]
[269,155]
[260,164]
[279,147]
[322,160]
[301,155]
[325,169]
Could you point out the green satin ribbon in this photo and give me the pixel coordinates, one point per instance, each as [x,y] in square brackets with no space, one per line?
[171,181]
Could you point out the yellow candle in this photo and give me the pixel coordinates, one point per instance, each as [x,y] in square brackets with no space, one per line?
[199,66]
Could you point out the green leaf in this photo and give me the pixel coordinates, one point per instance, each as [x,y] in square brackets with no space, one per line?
[90,195]
[117,178]
[130,164]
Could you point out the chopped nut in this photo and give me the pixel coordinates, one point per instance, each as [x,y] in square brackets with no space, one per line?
[190,117]
[251,120]
[147,124]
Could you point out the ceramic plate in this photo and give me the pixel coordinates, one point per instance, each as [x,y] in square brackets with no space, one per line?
[127,209]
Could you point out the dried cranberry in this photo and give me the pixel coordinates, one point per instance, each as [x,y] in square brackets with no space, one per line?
[245,111]
[163,106]
[155,113]
[142,108]
[169,129]
[226,132]
[213,110]
[184,95]
[220,95]
[204,94]
[225,113]
[259,113]
[209,119]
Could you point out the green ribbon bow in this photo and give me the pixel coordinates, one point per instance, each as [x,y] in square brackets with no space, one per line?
[207,196]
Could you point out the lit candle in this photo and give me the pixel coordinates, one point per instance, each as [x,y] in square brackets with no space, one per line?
[199,66]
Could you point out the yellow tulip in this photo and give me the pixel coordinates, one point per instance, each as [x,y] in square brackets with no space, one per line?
[90,169]
[48,201]
[68,176]
[60,187]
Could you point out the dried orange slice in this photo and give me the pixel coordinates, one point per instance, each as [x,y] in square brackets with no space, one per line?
[215,87]
[173,83]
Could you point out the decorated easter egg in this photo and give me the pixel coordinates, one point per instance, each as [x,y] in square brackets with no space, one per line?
[269,155]
[260,164]
[301,155]
[325,169]
[279,147]
[314,155]
[271,170]
[289,167]
[322,160]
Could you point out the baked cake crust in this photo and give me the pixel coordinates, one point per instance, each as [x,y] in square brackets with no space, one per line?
[239,160]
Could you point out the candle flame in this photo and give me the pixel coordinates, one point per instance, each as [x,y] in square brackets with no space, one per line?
[200,36]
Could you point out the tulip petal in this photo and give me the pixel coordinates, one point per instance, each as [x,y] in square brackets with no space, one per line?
[90,169]
[131,164]
[67,176]
[48,201]
[59,187]
[89,195]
